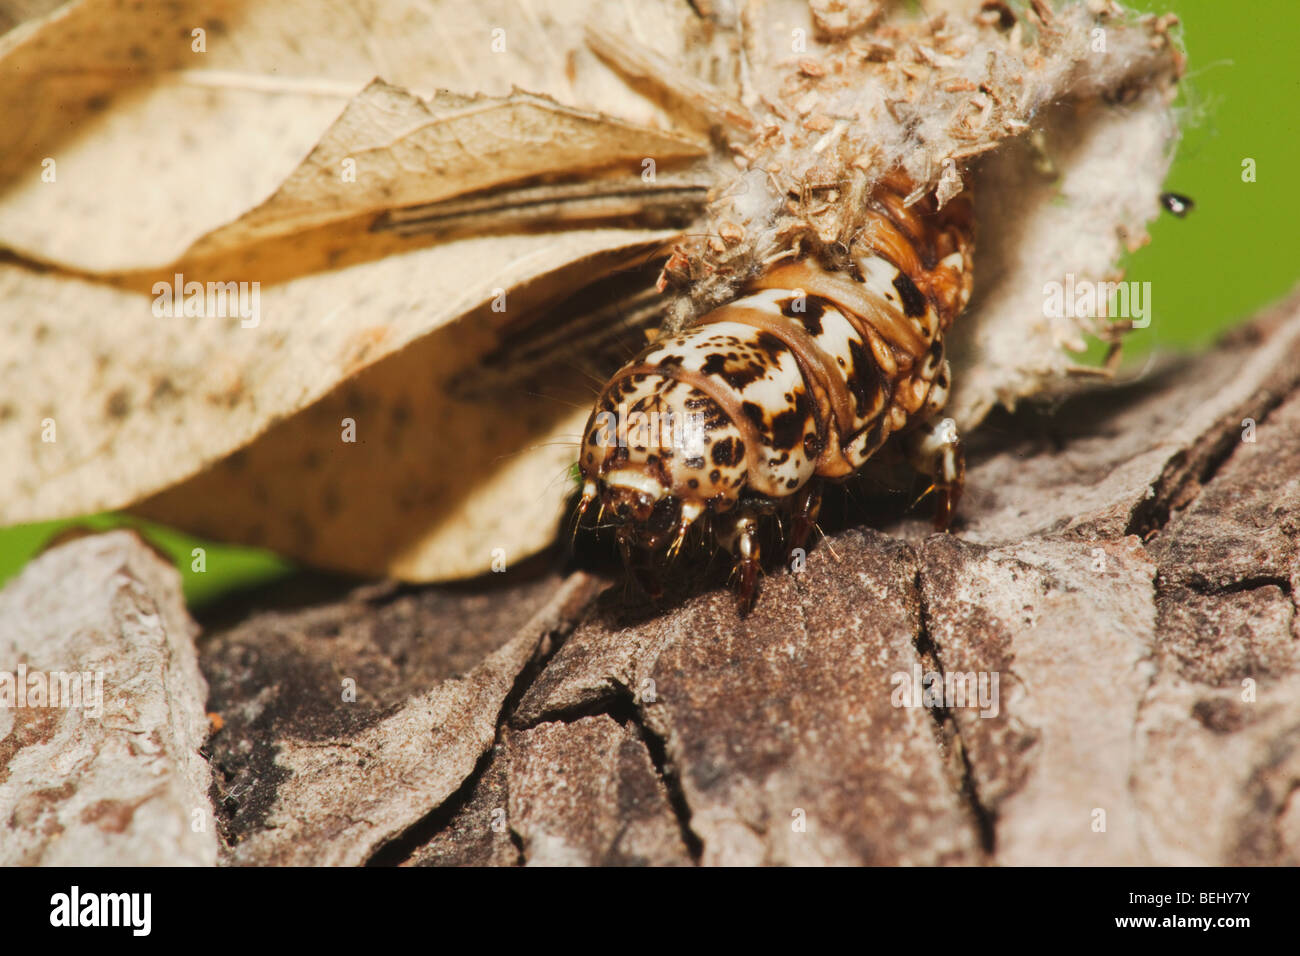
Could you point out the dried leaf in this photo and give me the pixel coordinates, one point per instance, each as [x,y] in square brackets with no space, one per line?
[138,402]
[206,388]
[155,144]
[407,151]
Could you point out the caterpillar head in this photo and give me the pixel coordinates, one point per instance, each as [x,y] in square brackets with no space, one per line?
[656,454]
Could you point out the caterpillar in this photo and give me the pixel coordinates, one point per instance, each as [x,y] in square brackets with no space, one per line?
[749,410]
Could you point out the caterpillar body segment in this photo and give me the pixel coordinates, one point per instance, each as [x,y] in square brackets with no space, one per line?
[742,415]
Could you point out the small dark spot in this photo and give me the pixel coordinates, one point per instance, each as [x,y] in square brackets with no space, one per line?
[739,378]
[728,452]
[1220,715]
[812,319]
[693,483]
[814,307]
[913,300]
[118,404]
[715,476]
[162,389]
[228,398]
[770,346]
[787,428]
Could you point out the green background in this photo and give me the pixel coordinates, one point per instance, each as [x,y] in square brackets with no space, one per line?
[1233,254]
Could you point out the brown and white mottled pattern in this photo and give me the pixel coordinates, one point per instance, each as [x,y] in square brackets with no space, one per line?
[802,379]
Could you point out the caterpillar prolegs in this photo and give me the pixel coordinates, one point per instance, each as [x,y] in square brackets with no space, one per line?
[746,412]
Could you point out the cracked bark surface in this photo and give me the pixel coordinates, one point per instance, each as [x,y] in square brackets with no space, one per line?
[1126,567]
[106,771]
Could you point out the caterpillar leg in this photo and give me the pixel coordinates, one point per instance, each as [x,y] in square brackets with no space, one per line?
[747,563]
[807,504]
[739,535]
[934,448]
[640,565]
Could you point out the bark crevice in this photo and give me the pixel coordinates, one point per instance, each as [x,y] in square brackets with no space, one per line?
[947,732]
